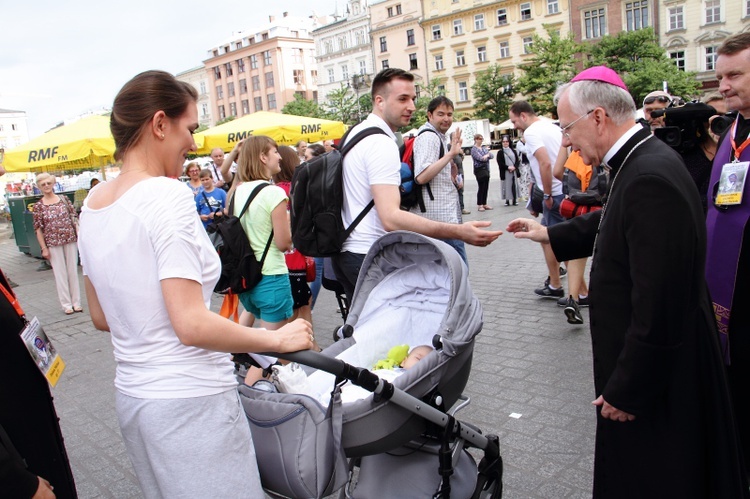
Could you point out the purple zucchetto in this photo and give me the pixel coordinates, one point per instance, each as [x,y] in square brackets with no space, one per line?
[600,73]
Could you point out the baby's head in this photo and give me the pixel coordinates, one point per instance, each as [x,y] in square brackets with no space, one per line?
[416,354]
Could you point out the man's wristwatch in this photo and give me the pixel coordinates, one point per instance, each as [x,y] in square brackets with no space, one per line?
[546,197]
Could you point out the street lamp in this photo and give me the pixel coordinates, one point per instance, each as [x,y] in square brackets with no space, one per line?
[360,81]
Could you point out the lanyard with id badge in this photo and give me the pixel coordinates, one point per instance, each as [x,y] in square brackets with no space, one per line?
[42,352]
[733,175]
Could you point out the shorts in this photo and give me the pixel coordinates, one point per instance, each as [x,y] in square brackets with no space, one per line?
[301,293]
[552,215]
[270,300]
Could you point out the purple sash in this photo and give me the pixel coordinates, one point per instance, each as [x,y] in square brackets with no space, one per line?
[725,229]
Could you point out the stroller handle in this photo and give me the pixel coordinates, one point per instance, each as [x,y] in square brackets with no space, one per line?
[357,375]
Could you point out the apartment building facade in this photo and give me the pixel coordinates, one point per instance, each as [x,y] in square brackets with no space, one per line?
[13,128]
[398,39]
[263,69]
[198,78]
[464,37]
[344,52]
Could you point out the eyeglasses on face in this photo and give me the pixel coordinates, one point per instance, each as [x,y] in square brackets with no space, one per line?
[657,98]
[567,127]
[42,184]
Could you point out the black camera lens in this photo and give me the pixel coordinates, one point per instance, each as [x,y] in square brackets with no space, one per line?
[721,123]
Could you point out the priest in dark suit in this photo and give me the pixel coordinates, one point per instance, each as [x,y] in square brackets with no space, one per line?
[664,421]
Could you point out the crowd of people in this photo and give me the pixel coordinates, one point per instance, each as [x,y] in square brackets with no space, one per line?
[665,298]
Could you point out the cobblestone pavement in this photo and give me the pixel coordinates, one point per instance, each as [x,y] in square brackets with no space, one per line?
[528,361]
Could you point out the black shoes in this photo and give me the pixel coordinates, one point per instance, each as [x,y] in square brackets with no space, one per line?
[582,302]
[548,292]
[572,312]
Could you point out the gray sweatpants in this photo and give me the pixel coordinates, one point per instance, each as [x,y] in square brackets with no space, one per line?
[190,448]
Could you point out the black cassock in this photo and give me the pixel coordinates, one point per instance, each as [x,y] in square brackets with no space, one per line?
[654,339]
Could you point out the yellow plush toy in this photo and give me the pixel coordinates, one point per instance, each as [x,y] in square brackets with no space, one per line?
[396,356]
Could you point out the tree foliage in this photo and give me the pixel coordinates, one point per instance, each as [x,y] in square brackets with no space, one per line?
[341,105]
[225,120]
[642,63]
[553,63]
[494,93]
[303,107]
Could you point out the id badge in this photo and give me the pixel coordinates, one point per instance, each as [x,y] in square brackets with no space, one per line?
[42,352]
[732,183]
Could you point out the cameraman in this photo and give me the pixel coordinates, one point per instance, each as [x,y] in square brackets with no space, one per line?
[654,101]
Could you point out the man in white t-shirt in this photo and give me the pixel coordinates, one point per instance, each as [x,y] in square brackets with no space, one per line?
[217,159]
[372,172]
[543,140]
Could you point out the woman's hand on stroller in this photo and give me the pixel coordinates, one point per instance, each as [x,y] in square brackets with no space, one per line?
[295,336]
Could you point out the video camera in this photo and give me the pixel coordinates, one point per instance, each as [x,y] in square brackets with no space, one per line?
[685,127]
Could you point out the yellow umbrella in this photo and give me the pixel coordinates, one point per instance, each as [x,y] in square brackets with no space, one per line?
[283,128]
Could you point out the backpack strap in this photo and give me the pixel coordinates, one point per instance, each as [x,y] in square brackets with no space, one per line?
[348,145]
[255,192]
[420,198]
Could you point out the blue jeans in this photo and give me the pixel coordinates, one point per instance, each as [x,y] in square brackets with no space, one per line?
[346,265]
[552,216]
[460,247]
[316,284]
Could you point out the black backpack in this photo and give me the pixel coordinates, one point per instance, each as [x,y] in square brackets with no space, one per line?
[412,191]
[317,195]
[240,270]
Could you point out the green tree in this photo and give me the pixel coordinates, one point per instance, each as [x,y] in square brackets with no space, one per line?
[301,106]
[225,120]
[341,105]
[553,63]
[494,93]
[642,64]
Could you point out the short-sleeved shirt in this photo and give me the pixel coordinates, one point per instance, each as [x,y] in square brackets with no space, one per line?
[152,233]
[374,161]
[548,135]
[258,224]
[56,221]
[209,202]
[444,207]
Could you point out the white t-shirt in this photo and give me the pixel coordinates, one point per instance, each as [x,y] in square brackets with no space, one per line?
[152,232]
[548,135]
[374,161]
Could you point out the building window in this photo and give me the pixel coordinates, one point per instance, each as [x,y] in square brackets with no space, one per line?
[553,6]
[314,76]
[254,61]
[502,17]
[202,87]
[747,8]
[481,54]
[243,86]
[297,56]
[222,112]
[463,91]
[458,27]
[360,37]
[256,83]
[331,76]
[438,62]
[240,65]
[271,101]
[713,11]
[390,12]
[410,37]
[413,61]
[636,14]
[478,22]
[232,109]
[362,67]
[219,92]
[595,22]
[230,89]
[398,9]
[504,50]
[204,112]
[267,58]
[383,44]
[217,73]
[299,76]
[229,69]
[711,58]
[258,103]
[245,107]
[384,64]
[327,46]
[678,58]
[437,34]
[460,59]
[343,43]
[269,80]
[676,18]
[441,89]
[527,44]
[344,72]
[525,11]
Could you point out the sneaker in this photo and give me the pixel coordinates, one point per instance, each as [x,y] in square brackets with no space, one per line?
[465,212]
[582,302]
[572,312]
[563,272]
[548,292]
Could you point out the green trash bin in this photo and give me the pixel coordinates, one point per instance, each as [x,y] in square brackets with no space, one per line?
[23,222]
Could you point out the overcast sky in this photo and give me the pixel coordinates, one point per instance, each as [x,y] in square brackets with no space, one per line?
[61,59]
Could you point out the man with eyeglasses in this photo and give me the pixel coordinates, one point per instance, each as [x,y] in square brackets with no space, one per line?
[664,420]
[658,99]
[728,227]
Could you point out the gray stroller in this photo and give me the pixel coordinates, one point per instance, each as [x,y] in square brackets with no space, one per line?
[396,439]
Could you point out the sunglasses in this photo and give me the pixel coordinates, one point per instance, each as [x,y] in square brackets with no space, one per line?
[657,98]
